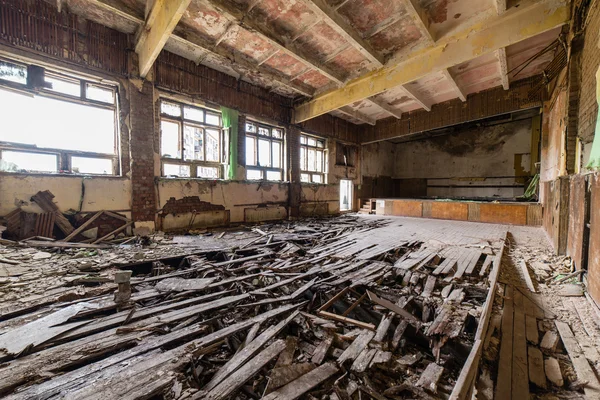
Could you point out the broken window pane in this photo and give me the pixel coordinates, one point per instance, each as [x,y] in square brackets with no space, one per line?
[250,151]
[169,139]
[251,128]
[13,72]
[194,114]
[64,86]
[192,143]
[264,153]
[208,172]
[182,171]
[213,119]
[88,165]
[16,161]
[170,108]
[212,145]
[254,174]
[99,93]
[59,124]
[277,133]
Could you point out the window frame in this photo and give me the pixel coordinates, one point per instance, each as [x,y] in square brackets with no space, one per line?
[304,162]
[271,140]
[37,86]
[181,121]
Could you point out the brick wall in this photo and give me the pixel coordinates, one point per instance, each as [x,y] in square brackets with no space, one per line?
[143,202]
[590,60]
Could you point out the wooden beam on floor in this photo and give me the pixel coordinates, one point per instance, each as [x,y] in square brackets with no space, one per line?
[161,22]
[515,25]
[328,14]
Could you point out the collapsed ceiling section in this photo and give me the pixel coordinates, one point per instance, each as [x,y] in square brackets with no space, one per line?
[306,48]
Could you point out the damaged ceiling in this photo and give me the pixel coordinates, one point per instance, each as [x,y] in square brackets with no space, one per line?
[304,48]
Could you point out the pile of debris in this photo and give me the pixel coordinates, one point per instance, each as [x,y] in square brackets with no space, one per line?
[331,309]
[37,228]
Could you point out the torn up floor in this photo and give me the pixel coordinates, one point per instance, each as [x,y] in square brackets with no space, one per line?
[352,307]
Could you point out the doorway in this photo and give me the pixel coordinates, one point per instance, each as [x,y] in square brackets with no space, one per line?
[345,195]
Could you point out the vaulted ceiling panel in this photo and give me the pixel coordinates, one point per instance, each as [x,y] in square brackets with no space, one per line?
[445,16]
[321,41]
[285,63]
[398,36]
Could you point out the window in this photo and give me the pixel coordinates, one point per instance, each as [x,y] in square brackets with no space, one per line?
[313,159]
[264,152]
[52,122]
[191,141]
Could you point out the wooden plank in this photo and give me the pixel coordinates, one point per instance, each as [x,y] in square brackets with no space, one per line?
[536,367]
[465,380]
[83,226]
[363,360]
[549,341]
[429,286]
[246,353]
[520,379]
[232,383]
[298,387]
[44,200]
[283,375]
[382,329]
[430,377]
[121,228]
[357,346]
[525,272]
[580,363]
[346,320]
[392,307]
[322,349]
[531,328]
[162,20]
[398,333]
[504,380]
[486,265]
[287,356]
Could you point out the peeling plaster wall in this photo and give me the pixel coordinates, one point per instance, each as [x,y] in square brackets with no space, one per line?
[476,162]
[100,193]
[489,161]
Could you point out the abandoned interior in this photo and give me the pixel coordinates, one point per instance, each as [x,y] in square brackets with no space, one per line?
[299,199]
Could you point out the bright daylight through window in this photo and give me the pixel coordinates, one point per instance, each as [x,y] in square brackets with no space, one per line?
[191,141]
[264,152]
[313,159]
[55,123]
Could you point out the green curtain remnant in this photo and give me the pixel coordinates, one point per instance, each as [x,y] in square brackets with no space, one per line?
[230,120]
[594,162]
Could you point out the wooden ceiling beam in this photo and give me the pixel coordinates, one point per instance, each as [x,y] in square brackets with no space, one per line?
[461,95]
[345,30]
[417,97]
[162,20]
[502,67]
[385,107]
[199,44]
[419,16]
[531,18]
[232,13]
[349,111]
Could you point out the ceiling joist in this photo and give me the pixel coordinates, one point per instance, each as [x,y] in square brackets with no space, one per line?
[502,67]
[417,97]
[344,29]
[385,107]
[516,24]
[237,16]
[349,111]
[161,21]
[200,45]
[448,76]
